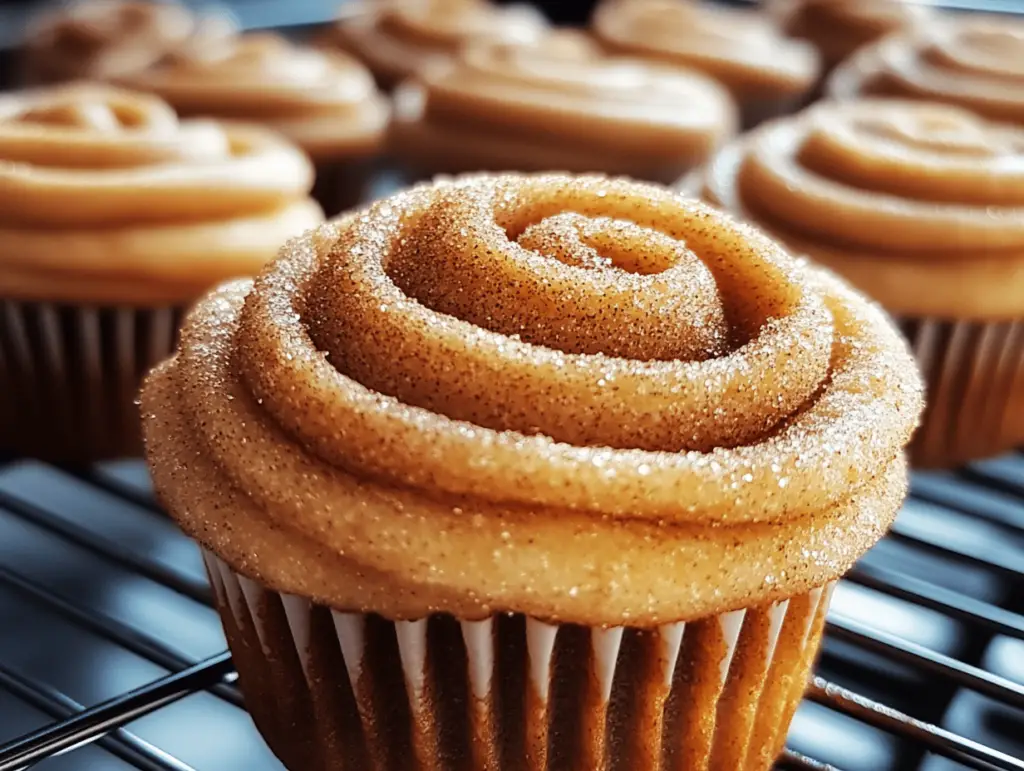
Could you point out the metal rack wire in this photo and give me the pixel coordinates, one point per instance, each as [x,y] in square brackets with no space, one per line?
[954,529]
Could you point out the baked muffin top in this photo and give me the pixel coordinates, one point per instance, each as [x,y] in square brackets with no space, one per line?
[921,205]
[579,398]
[106,196]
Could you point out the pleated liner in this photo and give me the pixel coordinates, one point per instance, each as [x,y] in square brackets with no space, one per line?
[974,373]
[70,375]
[335,691]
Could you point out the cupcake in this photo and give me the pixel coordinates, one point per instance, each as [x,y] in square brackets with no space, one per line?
[837,28]
[558,104]
[920,206]
[767,73]
[530,472]
[969,62]
[106,39]
[114,215]
[399,38]
[324,102]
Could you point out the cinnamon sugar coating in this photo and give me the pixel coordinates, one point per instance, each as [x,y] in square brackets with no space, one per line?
[104,39]
[975,63]
[105,196]
[399,38]
[326,102]
[892,195]
[559,103]
[483,395]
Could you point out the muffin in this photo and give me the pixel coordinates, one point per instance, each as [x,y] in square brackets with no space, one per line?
[920,206]
[530,472]
[767,73]
[965,61]
[399,38]
[324,102]
[114,215]
[558,104]
[837,28]
[106,39]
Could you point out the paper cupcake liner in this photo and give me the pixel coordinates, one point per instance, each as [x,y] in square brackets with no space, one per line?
[70,375]
[331,690]
[974,374]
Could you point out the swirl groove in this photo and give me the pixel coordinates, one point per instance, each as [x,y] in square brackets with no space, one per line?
[560,103]
[323,101]
[891,194]
[103,189]
[486,381]
[971,63]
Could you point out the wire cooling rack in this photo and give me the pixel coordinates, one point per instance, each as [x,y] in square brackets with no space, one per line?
[112,658]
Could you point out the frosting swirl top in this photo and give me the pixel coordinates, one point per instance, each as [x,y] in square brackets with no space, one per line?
[105,39]
[839,27]
[977,63]
[542,394]
[323,101]
[560,103]
[741,49]
[892,195]
[398,38]
[106,196]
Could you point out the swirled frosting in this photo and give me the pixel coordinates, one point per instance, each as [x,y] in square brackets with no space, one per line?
[579,398]
[106,196]
[325,102]
[837,28]
[560,104]
[399,38]
[741,49]
[973,63]
[920,205]
[105,39]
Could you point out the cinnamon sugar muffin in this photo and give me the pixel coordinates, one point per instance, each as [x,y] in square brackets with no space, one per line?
[105,39]
[399,38]
[530,472]
[113,216]
[767,73]
[971,62]
[837,28]
[559,104]
[325,102]
[921,206]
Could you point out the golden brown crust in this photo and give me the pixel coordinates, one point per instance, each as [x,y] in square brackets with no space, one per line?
[837,28]
[441,405]
[106,197]
[325,102]
[399,38]
[741,49]
[559,103]
[893,195]
[974,63]
[104,39]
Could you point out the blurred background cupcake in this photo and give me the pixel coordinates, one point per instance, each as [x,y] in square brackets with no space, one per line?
[921,206]
[114,215]
[106,39]
[325,102]
[975,62]
[560,103]
[399,38]
[766,72]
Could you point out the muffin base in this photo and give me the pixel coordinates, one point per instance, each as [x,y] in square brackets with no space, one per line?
[70,375]
[337,691]
[974,375]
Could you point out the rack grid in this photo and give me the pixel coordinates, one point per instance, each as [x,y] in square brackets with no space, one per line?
[111,656]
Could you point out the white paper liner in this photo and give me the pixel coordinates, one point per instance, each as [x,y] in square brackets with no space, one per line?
[974,374]
[509,692]
[70,375]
